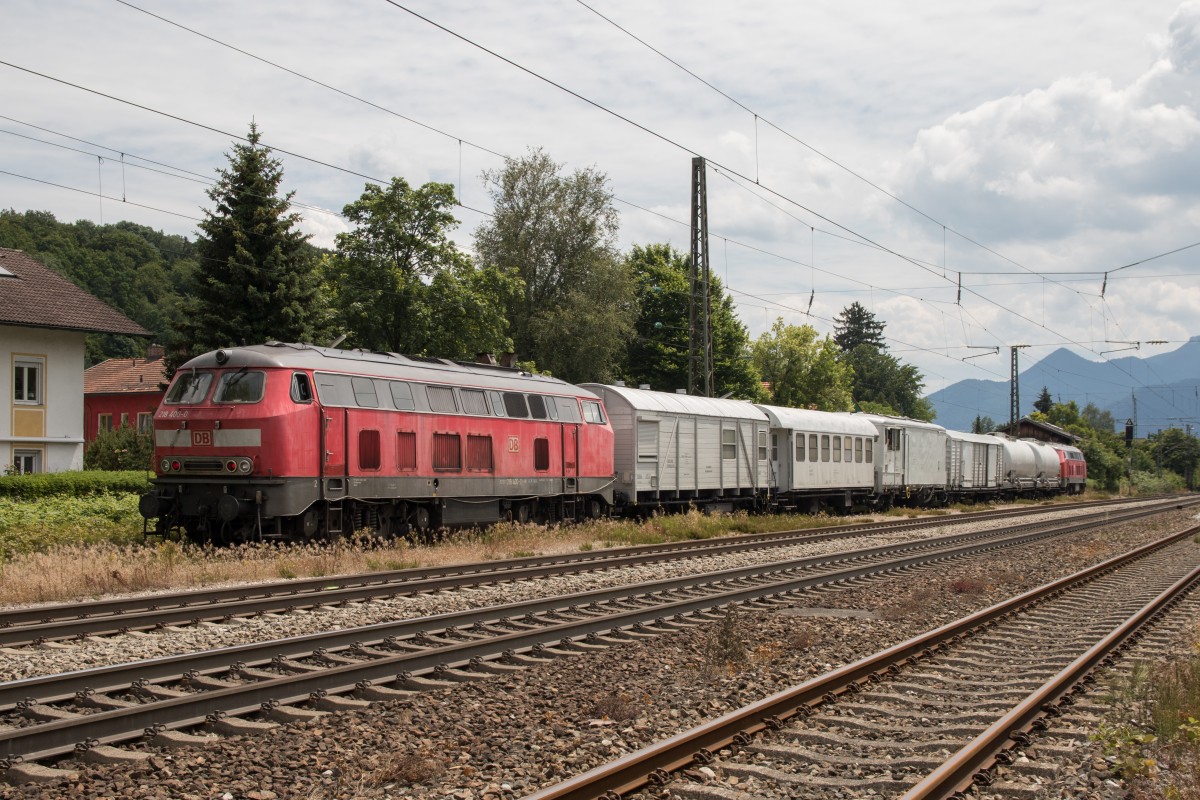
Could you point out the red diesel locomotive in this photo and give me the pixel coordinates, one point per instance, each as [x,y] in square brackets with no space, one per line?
[296,442]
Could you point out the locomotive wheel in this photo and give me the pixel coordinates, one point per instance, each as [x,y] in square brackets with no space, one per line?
[594,508]
[421,518]
[521,513]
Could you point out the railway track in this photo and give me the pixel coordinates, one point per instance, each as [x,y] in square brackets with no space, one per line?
[20,627]
[238,689]
[927,718]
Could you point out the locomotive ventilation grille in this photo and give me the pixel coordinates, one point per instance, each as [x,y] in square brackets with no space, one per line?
[203,465]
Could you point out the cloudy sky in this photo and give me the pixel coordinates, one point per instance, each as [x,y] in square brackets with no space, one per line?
[857,150]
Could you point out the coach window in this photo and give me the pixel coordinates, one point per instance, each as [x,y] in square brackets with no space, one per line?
[537,406]
[762,445]
[240,387]
[473,402]
[592,412]
[824,446]
[479,453]
[857,449]
[774,446]
[869,445]
[799,446]
[514,405]
[893,438]
[447,451]
[406,450]
[145,422]
[812,448]
[301,388]
[368,450]
[541,454]
[837,448]
[848,449]
[728,444]
[402,396]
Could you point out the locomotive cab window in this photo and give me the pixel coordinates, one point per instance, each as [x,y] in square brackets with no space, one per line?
[592,411]
[240,387]
[301,388]
[189,388]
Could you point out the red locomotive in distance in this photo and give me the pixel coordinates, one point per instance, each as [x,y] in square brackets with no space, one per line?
[1074,468]
[297,442]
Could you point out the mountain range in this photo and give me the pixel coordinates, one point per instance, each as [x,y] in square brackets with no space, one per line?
[1157,392]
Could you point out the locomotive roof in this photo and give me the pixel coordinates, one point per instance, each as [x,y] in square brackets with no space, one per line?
[647,400]
[383,365]
[810,420]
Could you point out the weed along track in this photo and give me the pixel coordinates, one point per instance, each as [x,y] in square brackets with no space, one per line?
[36,625]
[501,699]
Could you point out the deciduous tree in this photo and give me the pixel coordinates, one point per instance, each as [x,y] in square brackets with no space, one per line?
[803,371]
[574,313]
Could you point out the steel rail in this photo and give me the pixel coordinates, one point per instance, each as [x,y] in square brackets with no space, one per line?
[979,756]
[484,571]
[155,618]
[772,579]
[635,770]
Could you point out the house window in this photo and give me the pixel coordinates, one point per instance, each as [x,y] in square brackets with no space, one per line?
[27,381]
[104,423]
[541,454]
[406,450]
[368,449]
[124,420]
[447,451]
[145,422]
[27,462]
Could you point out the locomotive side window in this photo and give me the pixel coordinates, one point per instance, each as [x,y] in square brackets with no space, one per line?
[447,451]
[497,403]
[368,449]
[479,453]
[441,399]
[537,406]
[474,402]
[364,392]
[541,454]
[189,388]
[406,450]
[301,388]
[799,446]
[812,448]
[568,409]
[592,412]
[514,405]
[240,387]
[402,396]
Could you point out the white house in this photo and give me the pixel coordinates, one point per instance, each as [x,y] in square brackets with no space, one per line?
[44,319]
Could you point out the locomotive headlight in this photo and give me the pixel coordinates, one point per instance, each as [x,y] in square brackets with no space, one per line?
[244,466]
[165,465]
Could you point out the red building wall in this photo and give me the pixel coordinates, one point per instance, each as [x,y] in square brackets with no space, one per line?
[127,403]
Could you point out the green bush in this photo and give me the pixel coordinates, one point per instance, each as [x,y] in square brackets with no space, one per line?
[74,484]
[37,524]
[121,449]
[1164,482]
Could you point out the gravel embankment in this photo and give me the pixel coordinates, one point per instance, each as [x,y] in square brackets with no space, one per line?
[505,736]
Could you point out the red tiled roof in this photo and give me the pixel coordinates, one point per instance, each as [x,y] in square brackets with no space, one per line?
[33,295]
[124,375]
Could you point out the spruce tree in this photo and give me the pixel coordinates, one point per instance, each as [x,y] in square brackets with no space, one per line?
[255,279]
[856,325]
